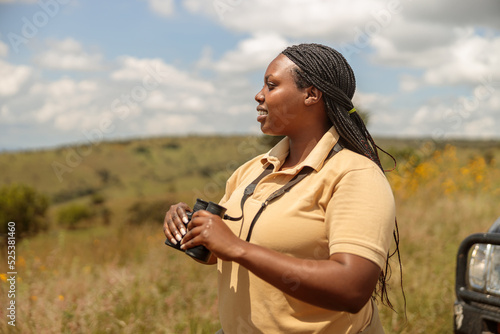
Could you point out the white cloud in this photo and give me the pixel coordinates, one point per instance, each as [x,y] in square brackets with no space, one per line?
[13,78]
[162,7]
[453,13]
[254,53]
[438,37]
[172,124]
[303,19]
[483,127]
[378,109]
[5,115]
[467,61]
[427,46]
[160,101]
[408,83]
[412,23]
[63,100]
[371,101]
[474,116]
[154,72]
[18,1]
[67,105]
[4,49]
[68,54]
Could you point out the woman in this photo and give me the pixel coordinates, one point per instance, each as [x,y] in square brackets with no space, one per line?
[310,260]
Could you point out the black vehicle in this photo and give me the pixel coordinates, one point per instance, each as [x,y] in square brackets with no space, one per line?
[477,288]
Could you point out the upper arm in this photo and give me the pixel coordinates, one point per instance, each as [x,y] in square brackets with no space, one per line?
[360,215]
[360,277]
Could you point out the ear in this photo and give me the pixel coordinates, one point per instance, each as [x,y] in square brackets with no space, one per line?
[313,96]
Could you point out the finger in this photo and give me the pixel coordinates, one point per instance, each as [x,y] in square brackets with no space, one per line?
[200,214]
[167,232]
[182,214]
[181,219]
[198,219]
[190,240]
[172,224]
[177,222]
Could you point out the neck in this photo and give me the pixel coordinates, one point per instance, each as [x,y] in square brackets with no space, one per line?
[301,146]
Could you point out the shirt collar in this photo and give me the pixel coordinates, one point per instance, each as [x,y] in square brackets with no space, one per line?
[315,159]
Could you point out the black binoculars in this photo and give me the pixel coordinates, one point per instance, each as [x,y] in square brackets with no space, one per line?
[200,253]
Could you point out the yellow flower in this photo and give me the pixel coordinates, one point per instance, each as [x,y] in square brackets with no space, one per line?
[3,277]
[61,297]
[34,298]
[21,262]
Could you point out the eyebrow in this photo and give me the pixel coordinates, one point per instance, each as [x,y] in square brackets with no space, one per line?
[267,77]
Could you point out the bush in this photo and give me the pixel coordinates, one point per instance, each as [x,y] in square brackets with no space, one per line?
[26,207]
[70,194]
[143,212]
[71,215]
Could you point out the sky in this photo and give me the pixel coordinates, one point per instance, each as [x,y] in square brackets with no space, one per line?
[74,71]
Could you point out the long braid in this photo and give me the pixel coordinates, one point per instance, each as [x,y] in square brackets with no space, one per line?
[327,70]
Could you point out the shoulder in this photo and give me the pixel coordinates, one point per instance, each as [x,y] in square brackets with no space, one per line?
[249,169]
[347,161]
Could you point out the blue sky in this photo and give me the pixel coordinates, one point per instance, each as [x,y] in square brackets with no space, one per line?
[74,71]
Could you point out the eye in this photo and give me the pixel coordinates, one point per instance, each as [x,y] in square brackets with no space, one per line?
[270,85]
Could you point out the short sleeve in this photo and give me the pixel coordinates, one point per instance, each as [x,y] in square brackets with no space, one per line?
[360,216]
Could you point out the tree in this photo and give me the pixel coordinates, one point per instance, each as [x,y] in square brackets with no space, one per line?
[24,206]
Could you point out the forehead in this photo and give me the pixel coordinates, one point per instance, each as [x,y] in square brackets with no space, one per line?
[280,66]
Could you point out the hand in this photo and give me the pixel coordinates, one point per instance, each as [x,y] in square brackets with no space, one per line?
[210,231]
[174,224]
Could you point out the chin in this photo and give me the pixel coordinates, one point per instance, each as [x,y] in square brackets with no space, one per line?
[269,131]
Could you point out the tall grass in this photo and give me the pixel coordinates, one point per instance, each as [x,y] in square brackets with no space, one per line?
[441,198]
[107,280]
[121,278]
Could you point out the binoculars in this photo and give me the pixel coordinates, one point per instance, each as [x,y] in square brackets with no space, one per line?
[200,253]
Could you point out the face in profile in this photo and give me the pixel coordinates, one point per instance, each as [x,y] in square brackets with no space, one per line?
[280,109]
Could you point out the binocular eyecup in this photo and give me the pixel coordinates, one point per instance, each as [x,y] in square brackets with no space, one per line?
[200,252]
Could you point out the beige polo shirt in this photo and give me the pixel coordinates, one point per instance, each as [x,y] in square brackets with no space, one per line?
[345,205]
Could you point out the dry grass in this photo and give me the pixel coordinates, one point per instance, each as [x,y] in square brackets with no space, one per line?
[111,281]
[441,199]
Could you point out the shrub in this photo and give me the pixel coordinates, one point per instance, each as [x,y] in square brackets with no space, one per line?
[72,214]
[24,206]
[97,199]
[141,149]
[144,212]
[69,194]
[172,145]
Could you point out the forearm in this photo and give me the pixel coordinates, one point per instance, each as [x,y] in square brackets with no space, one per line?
[344,282]
[211,260]
[331,284]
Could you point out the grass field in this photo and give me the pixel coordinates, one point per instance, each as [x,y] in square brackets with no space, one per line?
[118,277]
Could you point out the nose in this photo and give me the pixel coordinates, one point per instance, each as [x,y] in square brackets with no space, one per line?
[259,97]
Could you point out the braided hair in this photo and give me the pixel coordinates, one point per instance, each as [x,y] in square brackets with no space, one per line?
[327,70]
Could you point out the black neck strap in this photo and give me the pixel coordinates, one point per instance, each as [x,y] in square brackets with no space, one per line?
[296,179]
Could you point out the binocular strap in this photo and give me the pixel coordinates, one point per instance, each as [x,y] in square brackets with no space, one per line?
[296,179]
